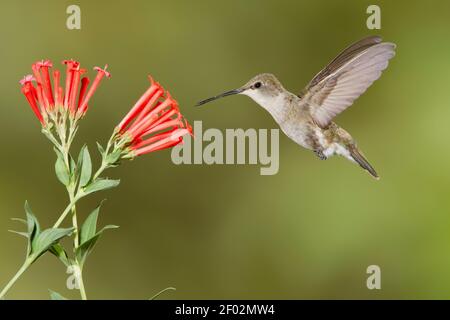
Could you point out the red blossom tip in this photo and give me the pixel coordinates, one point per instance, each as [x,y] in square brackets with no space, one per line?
[107,74]
[71,64]
[44,63]
[150,78]
[26,79]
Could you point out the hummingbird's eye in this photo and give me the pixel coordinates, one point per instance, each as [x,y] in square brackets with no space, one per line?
[257,85]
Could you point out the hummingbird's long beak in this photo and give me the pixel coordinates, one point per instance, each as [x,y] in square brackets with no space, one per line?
[228,93]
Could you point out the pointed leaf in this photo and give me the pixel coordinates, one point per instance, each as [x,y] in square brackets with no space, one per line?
[89,227]
[101,184]
[61,171]
[32,222]
[48,238]
[58,153]
[100,148]
[114,157]
[20,220]
[83,250]
[56,296]
[33,227]
[24,234]
[84,160]
[108,226]
[60,253]
[73,165]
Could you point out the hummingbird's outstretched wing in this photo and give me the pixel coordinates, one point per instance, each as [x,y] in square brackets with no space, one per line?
[345,78]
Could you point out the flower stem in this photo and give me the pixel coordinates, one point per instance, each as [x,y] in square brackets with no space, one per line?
[11,282]
[66,212]
[81,285]
[74,196]
[71,187]
[105,165]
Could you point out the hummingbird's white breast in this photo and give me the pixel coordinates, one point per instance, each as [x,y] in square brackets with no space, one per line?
[275,104]
[286,109]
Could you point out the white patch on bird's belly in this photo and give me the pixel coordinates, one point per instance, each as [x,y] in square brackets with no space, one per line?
[336,148]
[321,138]
[296,133]
[330,149]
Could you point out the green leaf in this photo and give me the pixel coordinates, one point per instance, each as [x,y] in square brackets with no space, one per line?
[100,148]
[20,220]
[58,153]
[32,222]
[24,234]
[89,227]
[48,238]
[61,171]
[101,184]
[114,157]
[84,161]
[33,227]
[86,248]
[73,165]
[56,296]
[60,253]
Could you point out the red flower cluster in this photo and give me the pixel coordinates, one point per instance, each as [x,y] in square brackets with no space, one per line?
[44,99]
[154,123]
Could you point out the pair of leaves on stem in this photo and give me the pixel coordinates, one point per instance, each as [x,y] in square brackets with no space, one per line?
[68,172]
[40,241]
[81,172]
[88,238]
[113,158]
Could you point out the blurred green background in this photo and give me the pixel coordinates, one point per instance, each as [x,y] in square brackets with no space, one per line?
[225,231]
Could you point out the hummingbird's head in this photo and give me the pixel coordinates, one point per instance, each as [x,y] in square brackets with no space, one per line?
[261,88]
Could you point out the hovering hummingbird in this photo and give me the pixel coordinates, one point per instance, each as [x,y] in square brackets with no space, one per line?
[307,117]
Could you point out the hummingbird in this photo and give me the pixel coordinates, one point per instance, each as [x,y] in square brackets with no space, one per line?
[306,118]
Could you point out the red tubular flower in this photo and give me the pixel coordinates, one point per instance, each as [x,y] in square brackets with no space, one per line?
[100,74]
[45,99]
[139,105]
[70,67]
[27,89]
[47,86]
[84,85]
[154,123]
[56,76]
[74,89]
[41,99]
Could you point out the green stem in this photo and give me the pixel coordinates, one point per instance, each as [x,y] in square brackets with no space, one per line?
[76,243]
[100,170]
[11,282]
[81,284]
[66,211]
[75,225]
[71,191]
[74,197]
[105,165]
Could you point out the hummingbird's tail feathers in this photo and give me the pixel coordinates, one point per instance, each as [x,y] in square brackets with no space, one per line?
[359,158]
